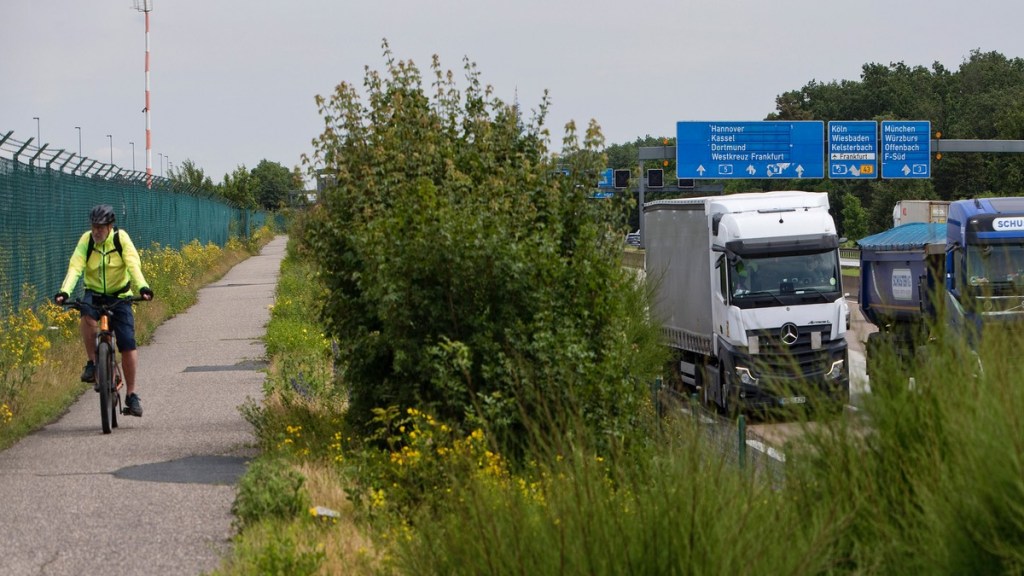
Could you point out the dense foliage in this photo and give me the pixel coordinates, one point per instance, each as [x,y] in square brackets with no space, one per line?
[467,278]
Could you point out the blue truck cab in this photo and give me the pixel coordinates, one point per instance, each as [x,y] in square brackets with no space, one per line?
[985,262]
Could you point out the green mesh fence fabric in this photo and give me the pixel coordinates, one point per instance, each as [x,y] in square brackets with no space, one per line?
[43,212]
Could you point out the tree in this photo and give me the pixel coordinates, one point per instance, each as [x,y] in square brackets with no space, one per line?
[240,187]
[274,183]
[191,175]
[466,278]
[855,219]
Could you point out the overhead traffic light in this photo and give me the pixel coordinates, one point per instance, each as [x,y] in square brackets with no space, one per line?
[655,178]
[621,179]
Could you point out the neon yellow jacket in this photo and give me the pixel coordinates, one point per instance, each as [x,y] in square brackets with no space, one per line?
[106,272]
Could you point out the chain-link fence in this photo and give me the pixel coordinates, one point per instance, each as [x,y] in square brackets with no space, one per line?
[44,210]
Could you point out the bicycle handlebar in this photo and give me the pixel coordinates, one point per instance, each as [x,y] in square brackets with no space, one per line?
[77,304]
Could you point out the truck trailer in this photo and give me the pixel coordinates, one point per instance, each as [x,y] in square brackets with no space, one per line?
[749,294]
[901,272]
[928,211]
[967,274]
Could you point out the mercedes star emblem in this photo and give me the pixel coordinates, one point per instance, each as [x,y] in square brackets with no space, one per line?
[789,333]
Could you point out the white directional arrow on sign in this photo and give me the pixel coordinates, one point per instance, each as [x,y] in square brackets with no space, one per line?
[751,170]
[700,169]
[799,171]
[906,170]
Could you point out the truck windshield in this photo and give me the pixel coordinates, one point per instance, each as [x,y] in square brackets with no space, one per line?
[757,276]
[995,264]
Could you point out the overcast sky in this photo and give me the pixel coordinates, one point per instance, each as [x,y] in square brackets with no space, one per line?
[233,81]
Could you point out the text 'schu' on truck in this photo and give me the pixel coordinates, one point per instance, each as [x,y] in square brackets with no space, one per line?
[749,294]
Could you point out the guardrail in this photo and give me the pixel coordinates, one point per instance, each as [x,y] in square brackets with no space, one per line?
[849,257]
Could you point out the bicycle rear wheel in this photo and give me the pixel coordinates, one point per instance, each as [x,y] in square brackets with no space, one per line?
[105,379]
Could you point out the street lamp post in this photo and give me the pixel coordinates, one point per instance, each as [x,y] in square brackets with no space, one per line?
[79,128]
[133,156]
[161,155]
[111,138]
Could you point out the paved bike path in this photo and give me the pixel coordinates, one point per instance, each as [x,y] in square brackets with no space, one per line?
[153,497]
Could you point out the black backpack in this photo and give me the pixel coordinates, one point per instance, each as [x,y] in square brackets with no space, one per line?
[92,245]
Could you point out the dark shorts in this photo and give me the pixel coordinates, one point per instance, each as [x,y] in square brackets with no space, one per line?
[123,322]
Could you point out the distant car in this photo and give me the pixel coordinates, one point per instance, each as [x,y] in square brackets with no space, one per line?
[633,239]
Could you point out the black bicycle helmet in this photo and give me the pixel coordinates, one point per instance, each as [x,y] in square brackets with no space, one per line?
[102,214]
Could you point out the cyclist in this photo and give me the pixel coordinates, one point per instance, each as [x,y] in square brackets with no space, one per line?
[108,278]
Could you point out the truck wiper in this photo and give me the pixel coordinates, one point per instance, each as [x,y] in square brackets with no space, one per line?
[816,292]
[758,293]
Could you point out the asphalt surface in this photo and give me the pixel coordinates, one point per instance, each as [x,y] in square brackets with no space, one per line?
[153,497]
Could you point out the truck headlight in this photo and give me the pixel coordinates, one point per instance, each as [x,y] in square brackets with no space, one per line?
[836,372]
[745,376]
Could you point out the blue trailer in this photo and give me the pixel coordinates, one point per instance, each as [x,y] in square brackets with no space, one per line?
[967,273]
[900,270]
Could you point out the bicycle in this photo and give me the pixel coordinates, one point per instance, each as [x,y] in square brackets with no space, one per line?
[109,375]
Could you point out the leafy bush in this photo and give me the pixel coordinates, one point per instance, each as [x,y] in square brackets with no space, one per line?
[468,278]
[270,488]
[277,551]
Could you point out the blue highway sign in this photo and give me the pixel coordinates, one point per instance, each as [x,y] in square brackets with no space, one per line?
[906,149]
[607,179]
[853,149]
[733,150]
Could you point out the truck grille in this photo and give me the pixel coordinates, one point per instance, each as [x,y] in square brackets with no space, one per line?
[785,355]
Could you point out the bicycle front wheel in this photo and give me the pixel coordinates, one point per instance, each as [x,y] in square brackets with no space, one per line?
[105,380]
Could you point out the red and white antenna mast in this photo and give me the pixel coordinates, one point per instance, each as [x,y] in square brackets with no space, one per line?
[146,6]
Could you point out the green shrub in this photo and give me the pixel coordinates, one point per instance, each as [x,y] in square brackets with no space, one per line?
[278,550]
[270,488]
[466,278]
